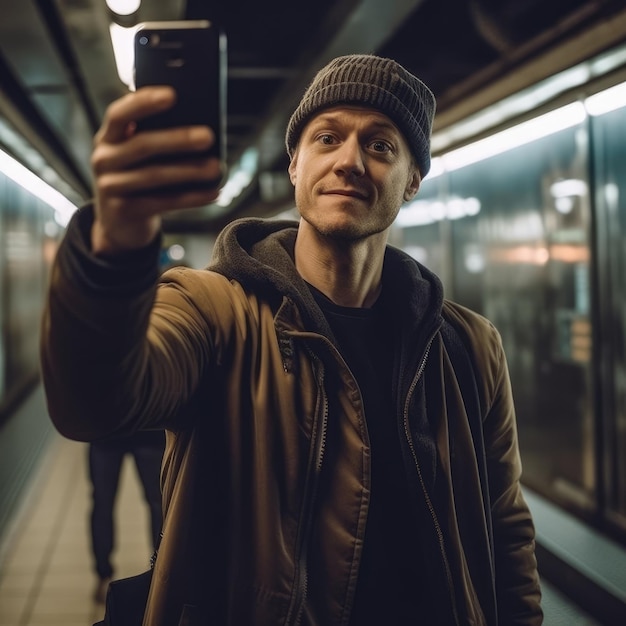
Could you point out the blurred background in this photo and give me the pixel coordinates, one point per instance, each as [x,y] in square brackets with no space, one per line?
[523,216]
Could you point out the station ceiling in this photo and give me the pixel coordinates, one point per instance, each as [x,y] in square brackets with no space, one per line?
[58,74]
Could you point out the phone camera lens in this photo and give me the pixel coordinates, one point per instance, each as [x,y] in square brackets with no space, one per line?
[143,40]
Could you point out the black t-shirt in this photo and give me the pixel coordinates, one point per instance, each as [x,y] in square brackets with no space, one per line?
[389,589]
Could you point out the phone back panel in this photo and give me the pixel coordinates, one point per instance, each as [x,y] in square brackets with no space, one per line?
[190,57]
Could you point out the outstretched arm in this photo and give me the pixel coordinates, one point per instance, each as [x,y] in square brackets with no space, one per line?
[97,362]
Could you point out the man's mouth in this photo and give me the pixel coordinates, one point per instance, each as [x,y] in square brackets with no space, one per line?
[350,193]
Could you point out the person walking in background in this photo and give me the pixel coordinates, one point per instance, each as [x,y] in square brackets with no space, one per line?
[105,463]
[323,466]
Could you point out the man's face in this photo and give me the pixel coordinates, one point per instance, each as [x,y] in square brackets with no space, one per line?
[352,171]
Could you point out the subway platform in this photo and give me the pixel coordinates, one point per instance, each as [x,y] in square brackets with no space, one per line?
[46,568]
[46,575]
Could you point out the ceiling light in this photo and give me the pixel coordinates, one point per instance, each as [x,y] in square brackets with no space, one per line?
[124,7]
[524,133]
[123,49]
[607,100]
[34,185]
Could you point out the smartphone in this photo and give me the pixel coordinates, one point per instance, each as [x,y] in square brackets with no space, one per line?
[190,56]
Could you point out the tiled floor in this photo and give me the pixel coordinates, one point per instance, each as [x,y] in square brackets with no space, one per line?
[46,576]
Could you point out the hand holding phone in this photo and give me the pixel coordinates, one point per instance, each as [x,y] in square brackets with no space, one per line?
[132,190]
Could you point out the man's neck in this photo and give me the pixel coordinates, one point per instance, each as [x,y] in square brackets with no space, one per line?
[348,273]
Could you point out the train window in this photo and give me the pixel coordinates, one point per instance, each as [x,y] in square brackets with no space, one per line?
[511,238]
[24,273]
[609,151]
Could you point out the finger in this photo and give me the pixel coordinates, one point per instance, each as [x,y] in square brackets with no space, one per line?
[148,145]
[145,179]
[135,210]
[123,113]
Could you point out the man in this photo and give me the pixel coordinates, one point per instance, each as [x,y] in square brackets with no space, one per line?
[105,459]
[320,467]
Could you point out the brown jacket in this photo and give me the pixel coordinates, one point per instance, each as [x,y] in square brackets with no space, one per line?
[239,367]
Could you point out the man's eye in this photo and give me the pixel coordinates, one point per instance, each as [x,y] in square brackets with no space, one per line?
[326,139]
[380,146]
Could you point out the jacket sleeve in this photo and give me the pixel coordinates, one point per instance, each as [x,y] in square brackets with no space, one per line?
[108,369]
[517,581]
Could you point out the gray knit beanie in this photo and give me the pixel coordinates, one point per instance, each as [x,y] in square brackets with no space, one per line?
[368,80]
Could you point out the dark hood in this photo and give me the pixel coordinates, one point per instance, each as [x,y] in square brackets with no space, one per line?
[259,254]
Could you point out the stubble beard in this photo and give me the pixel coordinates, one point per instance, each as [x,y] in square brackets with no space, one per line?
[345,233]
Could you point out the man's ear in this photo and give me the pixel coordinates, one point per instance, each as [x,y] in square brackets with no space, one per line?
[413,185]
[292,168]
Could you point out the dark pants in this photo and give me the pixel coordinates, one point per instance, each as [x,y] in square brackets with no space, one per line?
[105,463]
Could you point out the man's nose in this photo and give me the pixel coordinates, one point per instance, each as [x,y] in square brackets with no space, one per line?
[350,159]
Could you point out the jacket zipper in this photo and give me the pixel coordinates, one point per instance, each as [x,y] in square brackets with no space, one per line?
[431,508]
[294,614]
